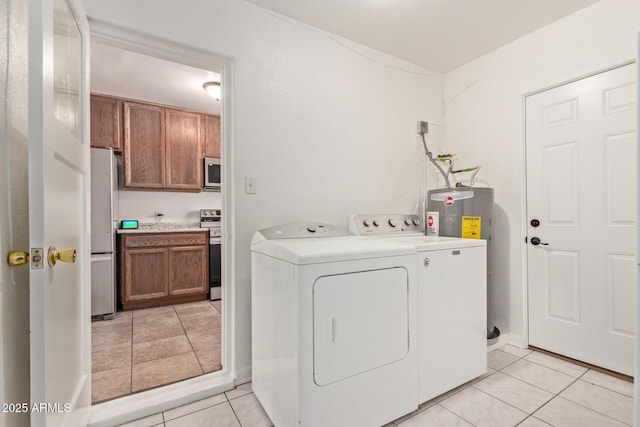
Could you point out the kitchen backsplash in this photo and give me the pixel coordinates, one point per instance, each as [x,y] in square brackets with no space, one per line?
[175,207]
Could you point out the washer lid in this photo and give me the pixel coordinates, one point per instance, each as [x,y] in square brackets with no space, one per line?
[331,249]
[433,243]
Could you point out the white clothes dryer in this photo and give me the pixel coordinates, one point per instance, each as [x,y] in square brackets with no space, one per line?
[452,300]
[333,327]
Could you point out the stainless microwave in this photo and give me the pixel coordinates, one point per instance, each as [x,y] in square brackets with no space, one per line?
[212,174]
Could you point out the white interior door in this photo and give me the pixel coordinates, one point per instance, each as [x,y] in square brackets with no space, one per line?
[59,175]
[581,188]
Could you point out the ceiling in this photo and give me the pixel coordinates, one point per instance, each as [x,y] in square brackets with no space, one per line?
[437,34]
[132,75]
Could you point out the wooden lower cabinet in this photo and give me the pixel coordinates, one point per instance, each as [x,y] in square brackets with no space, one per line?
[162,268]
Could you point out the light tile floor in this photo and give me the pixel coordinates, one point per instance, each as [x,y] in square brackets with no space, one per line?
[143,349]
[521,388]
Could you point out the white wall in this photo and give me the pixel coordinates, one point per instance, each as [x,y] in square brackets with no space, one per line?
[326,126]
[483,121]
[14,282]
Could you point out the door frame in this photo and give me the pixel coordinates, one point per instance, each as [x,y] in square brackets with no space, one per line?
[149,402]
[525,212]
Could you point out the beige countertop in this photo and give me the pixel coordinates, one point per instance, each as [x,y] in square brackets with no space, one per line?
[165,227]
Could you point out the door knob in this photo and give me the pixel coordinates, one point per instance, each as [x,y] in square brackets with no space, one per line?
[17,258]
[535,241]
[66,255]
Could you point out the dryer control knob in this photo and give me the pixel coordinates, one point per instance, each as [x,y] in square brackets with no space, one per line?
[376,222]
[393,222]
[312,228]
[367,222]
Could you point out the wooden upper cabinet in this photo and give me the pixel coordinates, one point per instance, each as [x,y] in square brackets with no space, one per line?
[162,147]
[211,137]
[106,122]
[183,148]
[144,146]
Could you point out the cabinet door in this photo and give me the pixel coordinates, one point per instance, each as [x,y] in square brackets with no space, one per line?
[144,146]
[106,122]
[146,273]
[211,137]
[188,268]
[184,163]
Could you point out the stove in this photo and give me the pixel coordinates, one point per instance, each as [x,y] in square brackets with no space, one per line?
[212,219]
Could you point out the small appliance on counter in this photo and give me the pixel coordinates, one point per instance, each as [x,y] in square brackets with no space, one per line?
[129,224]
[211,219]
[104,180]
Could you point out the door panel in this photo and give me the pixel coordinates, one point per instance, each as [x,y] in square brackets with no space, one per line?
[59,187]
[581,186]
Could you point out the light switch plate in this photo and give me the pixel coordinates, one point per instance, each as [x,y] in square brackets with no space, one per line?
[250,184]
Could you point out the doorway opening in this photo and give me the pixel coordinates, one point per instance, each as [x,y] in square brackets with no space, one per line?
[184,339]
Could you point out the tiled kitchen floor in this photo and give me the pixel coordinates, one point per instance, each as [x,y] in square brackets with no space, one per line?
[143,349]
[521,388]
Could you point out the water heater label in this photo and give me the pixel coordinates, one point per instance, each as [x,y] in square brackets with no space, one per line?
[471,227]
[449,201]
[433,223]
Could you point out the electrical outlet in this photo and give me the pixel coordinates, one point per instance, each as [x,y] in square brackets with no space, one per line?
[423,127]
[250,184]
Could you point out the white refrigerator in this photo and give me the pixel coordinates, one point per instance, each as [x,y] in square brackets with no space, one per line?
[104,183]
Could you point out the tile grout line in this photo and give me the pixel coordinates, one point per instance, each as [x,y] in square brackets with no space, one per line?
[517,379]
[234,411]
[553,369]
[557,395]
[454,414]
[193,350]
[191,344]
[591,409]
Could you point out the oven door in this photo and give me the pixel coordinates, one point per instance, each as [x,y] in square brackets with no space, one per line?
[215,268]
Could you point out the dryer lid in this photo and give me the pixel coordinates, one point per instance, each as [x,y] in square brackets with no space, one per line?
[301,230]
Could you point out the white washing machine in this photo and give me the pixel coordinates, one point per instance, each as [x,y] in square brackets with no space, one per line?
[333,327]
[452,301]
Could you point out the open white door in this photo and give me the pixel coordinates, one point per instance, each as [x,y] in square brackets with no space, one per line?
[60,312]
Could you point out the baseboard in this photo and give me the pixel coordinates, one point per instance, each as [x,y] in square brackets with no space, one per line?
[503,340]
[243,375]
[517,341]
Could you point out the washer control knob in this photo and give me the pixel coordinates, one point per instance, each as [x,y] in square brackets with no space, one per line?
[312,228]
[416,221]
[367,222]
[376,222]
[393,222]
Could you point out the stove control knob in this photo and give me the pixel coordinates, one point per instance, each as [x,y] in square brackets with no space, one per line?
[376,222]
[416,221]
[393,222]
[312,228]
[367,222]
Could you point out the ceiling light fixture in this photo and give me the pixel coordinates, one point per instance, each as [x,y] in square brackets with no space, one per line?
[212,89]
